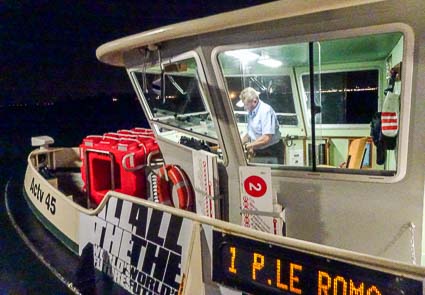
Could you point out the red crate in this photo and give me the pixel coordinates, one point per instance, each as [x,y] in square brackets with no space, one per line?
[115,161]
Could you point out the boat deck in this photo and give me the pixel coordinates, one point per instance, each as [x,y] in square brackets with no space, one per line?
[70,183]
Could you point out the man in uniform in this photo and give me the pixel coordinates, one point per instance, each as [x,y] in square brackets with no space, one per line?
[263,139]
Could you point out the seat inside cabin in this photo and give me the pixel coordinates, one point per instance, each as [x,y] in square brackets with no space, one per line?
[356,152]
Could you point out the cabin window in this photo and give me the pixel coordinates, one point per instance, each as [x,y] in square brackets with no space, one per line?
[346,97]
[275,90]
[176,103]
[352,79]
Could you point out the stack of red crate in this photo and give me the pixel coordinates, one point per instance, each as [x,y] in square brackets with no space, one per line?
[115,161]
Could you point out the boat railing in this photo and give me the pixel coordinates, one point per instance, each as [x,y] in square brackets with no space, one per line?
[152,161]
[360,259]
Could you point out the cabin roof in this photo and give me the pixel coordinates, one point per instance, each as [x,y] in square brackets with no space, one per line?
[112,52]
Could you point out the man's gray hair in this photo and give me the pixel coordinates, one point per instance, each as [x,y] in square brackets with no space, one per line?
[248,94]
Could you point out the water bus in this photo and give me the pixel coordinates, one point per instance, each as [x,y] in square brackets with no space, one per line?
[185,208]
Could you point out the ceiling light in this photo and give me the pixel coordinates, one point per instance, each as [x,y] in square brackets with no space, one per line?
[269,62]
[243,55]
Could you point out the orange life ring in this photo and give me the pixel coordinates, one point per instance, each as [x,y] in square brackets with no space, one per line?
[178,179]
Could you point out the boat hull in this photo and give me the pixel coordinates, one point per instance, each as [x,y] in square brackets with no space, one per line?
[146,247]
[55,211]
[51,227]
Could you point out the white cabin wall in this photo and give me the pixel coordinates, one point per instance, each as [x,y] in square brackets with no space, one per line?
[417,151]
[361,217]
[422,262]
[370,218]
[367,217]
[180,155]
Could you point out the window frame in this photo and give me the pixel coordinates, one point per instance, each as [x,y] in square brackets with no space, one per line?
[155,123]
[405,99]
[290,74]
[332,69]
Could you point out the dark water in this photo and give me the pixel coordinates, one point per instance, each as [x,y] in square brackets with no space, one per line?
[68,123]
[20,270]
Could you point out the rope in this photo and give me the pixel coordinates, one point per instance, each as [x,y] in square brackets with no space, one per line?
[408,226]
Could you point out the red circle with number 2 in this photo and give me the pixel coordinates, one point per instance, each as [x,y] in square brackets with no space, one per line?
[255,186]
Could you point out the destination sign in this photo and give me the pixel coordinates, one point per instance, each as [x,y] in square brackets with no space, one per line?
[260,268]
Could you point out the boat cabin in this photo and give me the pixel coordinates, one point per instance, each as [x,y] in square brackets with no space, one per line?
[344,84]
[351,77]
[194,205]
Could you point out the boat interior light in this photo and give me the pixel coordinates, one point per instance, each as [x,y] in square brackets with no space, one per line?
[272,63]
[265,60]
[244,55]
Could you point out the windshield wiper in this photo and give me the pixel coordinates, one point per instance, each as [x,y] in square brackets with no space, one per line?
[258,83]
[177,86]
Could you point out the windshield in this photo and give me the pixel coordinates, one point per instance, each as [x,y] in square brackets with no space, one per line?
[177,105]
[177,99]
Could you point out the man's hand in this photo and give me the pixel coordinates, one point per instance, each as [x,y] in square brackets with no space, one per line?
[249,150]
[259,142]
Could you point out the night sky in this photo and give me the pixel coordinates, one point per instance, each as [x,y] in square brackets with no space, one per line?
[47,48]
